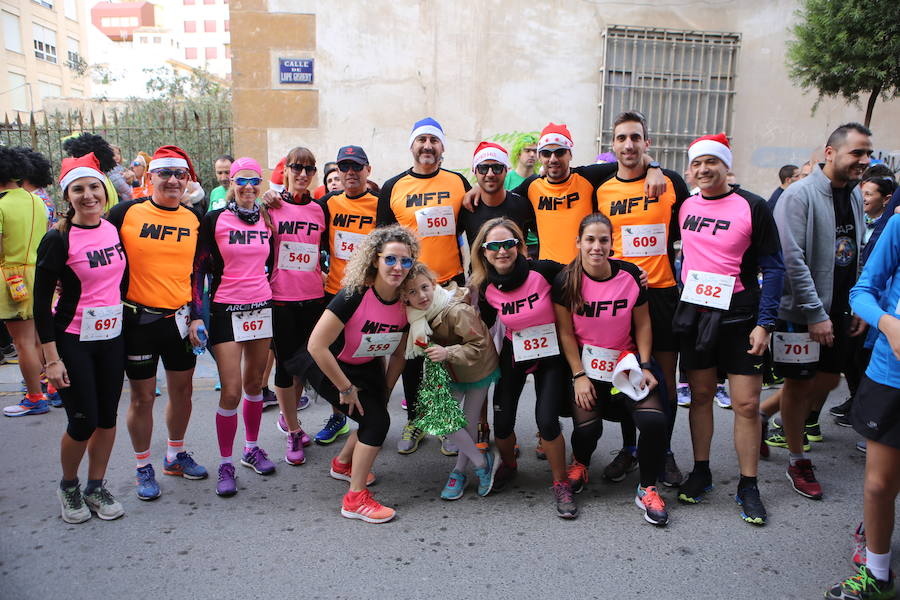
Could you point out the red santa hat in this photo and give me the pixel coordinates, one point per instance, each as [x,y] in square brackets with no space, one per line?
[490,151]
[711,145]
[76,168]
[276,181]
[555,135]
[172,157]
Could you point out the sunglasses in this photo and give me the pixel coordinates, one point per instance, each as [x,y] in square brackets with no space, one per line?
[137,163]
[504,244]
[558,153]
[242,181]
[343,167]
[298,168]
[391,260]
[496,168]
[179,174]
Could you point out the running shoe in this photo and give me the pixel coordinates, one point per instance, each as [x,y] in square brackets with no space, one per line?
[257,459]
[159,393]
[455,486]
[27,407]
[365,508]
[335,425]
[73,509]
[649,500]
[184,466]
[487,473]
[577,474]
[777,439]
[539,449]
[861,446]
[775,383]
[294,454]
[53,397]
[620,466]
[410,439]
[863,586]
[343,471]
[843,421]
[147,488]
[565,500]
[227,485]
[803,479]
[484,437]
[859,546]
[217,387]
[694,488]
[269,398]
[104,504]
[842,409]
[722,398]
[813,432]
[671,475]
[764,433]
[11,355]
[303,403]
[448,448]
[282,426]
[504,475]
[683,395]
[752,509]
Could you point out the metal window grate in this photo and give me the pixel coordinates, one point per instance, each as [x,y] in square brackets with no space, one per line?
[682,81]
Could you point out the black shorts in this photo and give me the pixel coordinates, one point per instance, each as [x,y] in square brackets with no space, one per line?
[220,321]
[292,324]
[832,359]
[729,355]
[876,412]
[146,341]
[662,303]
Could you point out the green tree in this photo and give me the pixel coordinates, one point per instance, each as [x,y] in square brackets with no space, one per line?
[847,48]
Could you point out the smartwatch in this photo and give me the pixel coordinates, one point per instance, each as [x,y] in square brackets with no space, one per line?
[653,165]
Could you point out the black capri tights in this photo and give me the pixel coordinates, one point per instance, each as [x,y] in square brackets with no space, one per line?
[648,415]
[552,390]
[96,371]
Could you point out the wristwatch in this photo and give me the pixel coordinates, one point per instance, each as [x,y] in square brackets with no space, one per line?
[653,165]
[769,327]
[646,365]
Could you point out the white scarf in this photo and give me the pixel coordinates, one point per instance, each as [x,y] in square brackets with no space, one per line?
[419,320]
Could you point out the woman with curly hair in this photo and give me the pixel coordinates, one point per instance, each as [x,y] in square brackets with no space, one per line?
[365,321]
[38,178]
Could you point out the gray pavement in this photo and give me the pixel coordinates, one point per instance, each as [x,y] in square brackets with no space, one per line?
[283,535]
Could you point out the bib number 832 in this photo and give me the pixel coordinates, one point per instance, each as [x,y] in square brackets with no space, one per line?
[535,343]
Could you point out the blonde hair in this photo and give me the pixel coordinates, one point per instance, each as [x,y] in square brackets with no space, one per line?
[362,267]
[478,261]
[419,268]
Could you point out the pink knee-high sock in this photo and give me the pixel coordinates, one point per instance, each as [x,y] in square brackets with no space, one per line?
[253,407]
[226,430]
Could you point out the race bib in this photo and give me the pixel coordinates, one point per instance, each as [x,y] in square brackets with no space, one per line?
[345,242]
[378,344]
[708,289]
[435,221]
[183,320]
[644,240]
[101,323]
[535,342]
[252,324]
[598,362]
[794,348]
[298,256]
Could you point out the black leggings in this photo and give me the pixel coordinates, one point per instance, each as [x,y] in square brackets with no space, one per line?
[96,371]
[412,377]
[648,415]
[292,324]
[552,387]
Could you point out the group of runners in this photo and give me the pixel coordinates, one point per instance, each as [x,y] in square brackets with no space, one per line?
[355,291]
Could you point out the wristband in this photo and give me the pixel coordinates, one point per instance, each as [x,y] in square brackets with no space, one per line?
[646,365]
[577,375]
[347,391]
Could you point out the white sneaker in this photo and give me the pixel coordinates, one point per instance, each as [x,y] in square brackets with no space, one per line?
[73,509]
[104,504]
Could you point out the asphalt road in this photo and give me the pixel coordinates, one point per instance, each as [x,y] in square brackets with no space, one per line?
[283,536]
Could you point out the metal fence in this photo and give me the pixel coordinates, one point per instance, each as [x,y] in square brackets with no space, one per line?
[203,133]
[682,81]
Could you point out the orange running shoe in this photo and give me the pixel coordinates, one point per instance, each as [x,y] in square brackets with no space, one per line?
[341,471]
[484,437]
[362,506]
[578,476]
[649,500]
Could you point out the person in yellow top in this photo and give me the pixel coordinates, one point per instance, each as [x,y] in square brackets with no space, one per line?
[23,222]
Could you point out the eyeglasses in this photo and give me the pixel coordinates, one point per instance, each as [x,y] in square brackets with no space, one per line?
[391,260]
[504,244]
[242,181]
[343,167]
[298,168]
[179,174]
[558,153]
[497,168]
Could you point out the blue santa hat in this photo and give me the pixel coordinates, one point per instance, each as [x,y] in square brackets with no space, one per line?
[426,126]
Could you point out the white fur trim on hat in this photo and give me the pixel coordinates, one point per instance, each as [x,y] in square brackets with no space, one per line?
[426,130]
[167,162]
[627,377]
[491,153]
[710,148]
[555,139]
[79,172]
